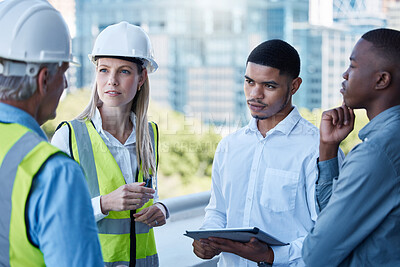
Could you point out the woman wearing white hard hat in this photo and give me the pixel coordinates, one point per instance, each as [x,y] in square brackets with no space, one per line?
[118,148]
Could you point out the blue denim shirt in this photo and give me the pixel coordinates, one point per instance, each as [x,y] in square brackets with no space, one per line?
[59,210]
[360,223]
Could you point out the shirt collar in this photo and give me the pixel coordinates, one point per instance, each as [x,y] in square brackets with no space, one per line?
[379,122]
[98,124]
[285,126]
[11,114]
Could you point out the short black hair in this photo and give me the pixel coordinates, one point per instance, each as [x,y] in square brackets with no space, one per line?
[277,54]
[387,43]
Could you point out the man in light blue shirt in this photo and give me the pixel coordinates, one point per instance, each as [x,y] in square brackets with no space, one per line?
[360,220]
[264,174]
[47,217]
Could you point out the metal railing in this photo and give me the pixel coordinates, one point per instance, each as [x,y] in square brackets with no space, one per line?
[186,213]
[183,206]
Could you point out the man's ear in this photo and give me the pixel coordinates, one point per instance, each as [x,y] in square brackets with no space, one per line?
[42,81]
[383,80]
[295,85]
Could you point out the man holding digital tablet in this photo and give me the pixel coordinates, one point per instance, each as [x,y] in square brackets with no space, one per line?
[264,174]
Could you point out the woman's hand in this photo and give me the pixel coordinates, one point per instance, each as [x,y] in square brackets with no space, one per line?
[126,197]
[152,216]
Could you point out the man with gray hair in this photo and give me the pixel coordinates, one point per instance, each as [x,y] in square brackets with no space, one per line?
[47,217]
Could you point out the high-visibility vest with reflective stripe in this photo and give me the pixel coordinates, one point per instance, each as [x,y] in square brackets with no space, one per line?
[104,176]
[22,154]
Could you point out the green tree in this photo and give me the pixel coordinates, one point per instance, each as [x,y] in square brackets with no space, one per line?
[70,106]
[186,147]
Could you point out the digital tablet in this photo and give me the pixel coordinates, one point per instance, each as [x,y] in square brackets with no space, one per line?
[236,234]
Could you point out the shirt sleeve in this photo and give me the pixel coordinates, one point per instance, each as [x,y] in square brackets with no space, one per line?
[215,216]
[328,171]
[60,139]
[289,254]
[163,209]
[98,215]
[311,175]
[352,213]
[60,215]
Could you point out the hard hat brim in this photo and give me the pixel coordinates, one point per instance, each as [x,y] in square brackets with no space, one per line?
[150,64]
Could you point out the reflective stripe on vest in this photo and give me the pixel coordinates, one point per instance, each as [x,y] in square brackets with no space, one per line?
[119,227]
[86,159]
[149,261]
[22,153]
[104,176]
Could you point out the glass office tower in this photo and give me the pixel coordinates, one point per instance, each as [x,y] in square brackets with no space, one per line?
[202,45]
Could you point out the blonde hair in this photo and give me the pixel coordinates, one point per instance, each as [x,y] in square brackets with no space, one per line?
[144,150]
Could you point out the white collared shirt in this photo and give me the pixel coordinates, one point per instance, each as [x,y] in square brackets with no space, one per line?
[267,183]
[124,154]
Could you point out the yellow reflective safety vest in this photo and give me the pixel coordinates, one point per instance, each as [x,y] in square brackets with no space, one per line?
[104,176]
[22,154]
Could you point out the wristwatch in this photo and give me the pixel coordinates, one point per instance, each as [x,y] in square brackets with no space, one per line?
[264,264]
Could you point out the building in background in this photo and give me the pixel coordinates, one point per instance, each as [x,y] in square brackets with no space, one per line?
[337,25]
[67,9]
[359,15]
[392,11]
[202,45]
[198,45]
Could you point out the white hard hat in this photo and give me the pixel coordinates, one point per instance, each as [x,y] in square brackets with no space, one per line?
[32,31]
[124,40]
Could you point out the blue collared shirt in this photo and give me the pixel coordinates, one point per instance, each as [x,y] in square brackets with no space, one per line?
[59,211]
[267,182]
[360,225]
